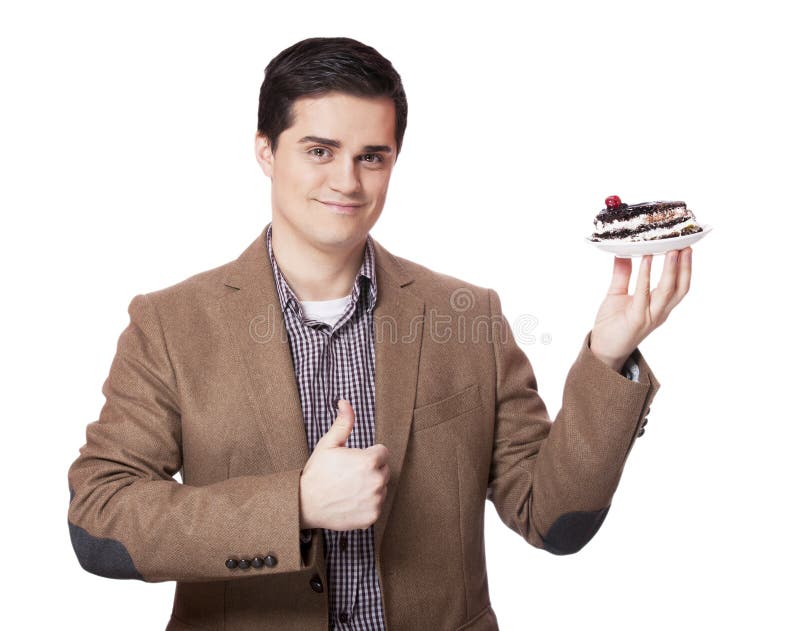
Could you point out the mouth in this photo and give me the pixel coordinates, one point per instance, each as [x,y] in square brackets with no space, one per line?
[342,208]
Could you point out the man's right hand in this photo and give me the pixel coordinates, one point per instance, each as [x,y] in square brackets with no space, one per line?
[343,488]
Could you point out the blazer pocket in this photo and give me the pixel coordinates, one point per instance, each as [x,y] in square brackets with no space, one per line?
[447,408]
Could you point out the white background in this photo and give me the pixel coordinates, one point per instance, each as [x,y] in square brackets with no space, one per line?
[127,165]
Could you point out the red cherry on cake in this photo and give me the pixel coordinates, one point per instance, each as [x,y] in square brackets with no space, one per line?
[613,202]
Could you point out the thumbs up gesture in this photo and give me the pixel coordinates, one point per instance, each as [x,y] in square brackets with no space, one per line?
[343,488]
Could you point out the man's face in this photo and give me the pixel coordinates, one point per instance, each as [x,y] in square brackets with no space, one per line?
[330,173]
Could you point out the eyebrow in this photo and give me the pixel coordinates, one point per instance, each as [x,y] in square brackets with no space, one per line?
[335,143]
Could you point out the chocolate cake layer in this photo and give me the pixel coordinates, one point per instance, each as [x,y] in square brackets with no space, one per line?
[680,233]
[621,234]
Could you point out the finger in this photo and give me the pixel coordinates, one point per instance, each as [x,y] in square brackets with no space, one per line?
[666,285]
[684,278]
[341,428]
[345,411]
[621,276]
[380,452]
[641,295]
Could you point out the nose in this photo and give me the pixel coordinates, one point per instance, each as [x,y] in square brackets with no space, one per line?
[344,177]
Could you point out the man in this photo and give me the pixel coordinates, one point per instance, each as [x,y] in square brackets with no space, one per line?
[300,511]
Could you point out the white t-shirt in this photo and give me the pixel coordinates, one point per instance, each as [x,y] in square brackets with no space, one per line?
[328,311]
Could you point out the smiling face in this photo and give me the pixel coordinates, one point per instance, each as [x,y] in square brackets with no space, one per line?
[330,172]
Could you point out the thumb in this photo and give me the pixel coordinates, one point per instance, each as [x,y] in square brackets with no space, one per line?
[337,435]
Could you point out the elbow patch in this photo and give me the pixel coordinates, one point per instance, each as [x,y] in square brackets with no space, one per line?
[104,557]
[571,531]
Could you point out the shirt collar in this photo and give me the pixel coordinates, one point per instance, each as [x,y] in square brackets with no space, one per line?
[366,277]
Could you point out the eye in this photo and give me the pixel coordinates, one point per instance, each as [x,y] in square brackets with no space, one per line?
[318,152]
[374,158]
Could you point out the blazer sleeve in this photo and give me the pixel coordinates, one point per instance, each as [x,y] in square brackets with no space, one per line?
[552,481]
[129,518]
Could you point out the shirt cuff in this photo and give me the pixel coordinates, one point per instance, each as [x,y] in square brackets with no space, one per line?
[631,369]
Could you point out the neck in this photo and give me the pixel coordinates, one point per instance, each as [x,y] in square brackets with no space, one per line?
[314,273]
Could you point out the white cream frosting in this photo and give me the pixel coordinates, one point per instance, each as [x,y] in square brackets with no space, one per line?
[655,233]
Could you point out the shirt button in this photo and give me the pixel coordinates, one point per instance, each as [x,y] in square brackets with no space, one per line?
[343,617]
[343,542]
[316,583]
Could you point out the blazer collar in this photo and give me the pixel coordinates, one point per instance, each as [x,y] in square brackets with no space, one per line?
[258,330]
[366,272]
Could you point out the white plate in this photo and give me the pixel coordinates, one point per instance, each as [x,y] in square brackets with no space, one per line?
[629,249]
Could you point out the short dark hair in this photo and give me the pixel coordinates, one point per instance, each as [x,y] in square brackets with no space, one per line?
[317,65]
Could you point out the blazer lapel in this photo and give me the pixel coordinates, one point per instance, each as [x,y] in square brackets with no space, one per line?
[258,331]
[398,321]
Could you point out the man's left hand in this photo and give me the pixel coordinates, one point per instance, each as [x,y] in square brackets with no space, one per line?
[623,321]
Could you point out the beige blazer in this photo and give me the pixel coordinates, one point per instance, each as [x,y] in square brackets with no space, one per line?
[203,384]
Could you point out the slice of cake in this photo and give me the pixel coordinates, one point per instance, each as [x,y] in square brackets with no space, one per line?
[643,222]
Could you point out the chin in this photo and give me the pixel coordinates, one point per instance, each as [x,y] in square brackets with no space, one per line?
[337,233]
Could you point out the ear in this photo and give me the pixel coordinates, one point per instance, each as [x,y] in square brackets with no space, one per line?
[264,154]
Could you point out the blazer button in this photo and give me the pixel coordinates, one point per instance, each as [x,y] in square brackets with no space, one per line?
[316,583]
[257,562]
[270,560]
[644,422]
[244,564]
[231,564]
[641,432]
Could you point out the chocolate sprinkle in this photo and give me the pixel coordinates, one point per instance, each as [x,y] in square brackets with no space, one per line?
[626,211]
